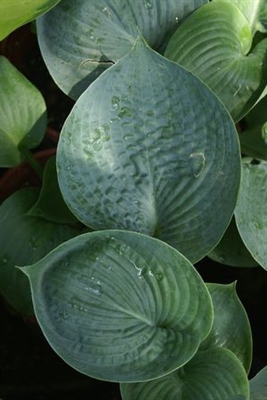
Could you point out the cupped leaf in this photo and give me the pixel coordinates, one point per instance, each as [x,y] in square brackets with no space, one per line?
[231,328]
[24,240]
[148,148]
[22,115]
[212,374]
[17,13]
[214,44]
[50,204]
[79,40]
[120,306]
[231,250]
[258,385]
[250,212]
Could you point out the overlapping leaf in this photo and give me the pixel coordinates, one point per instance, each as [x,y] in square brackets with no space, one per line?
[231,328]
[50,204]
[258,385]
[214,43]
[253,138]
[120,306]
[148,148]
[231,250]
[251,213]
[24,240]
[212,374]
[22,115]
[79,40]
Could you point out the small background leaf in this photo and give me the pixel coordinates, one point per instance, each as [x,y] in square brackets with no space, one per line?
[50,204]
[251,213]
[24,240]
[22,115]
[214,43]
[253,138]
[231,249]
[79,40]
[212,374]
[231,328]
[258,385]
[120,306]
[17,13]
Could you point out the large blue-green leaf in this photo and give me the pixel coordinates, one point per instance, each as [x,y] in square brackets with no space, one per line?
[231,328]
[81,39]
[148,148]
[17,13]
[24,240]
[212,374]
[251,211]
[120,306]
[214,43]
[22,115]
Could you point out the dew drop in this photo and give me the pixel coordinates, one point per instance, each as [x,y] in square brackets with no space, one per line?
[148,4]
[258,225]
[125,112]
[198,161]
[63,315]
[115,101]
[107,12]
[159,276]
[97,145]
[88,151]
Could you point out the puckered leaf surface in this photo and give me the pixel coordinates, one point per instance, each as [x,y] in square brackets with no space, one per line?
[149,148]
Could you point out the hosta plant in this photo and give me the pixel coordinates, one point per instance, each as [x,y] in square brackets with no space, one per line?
[161,163]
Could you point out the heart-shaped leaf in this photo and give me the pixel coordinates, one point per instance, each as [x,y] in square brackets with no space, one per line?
[22,115]
[79,40]
[231,249]
[250,212]
[24,240]
[231,328]
[148,148]
[214,43]
[17,13]
[120,306]
[212,374]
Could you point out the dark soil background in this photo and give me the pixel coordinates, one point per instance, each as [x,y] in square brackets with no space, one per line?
[29,367]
